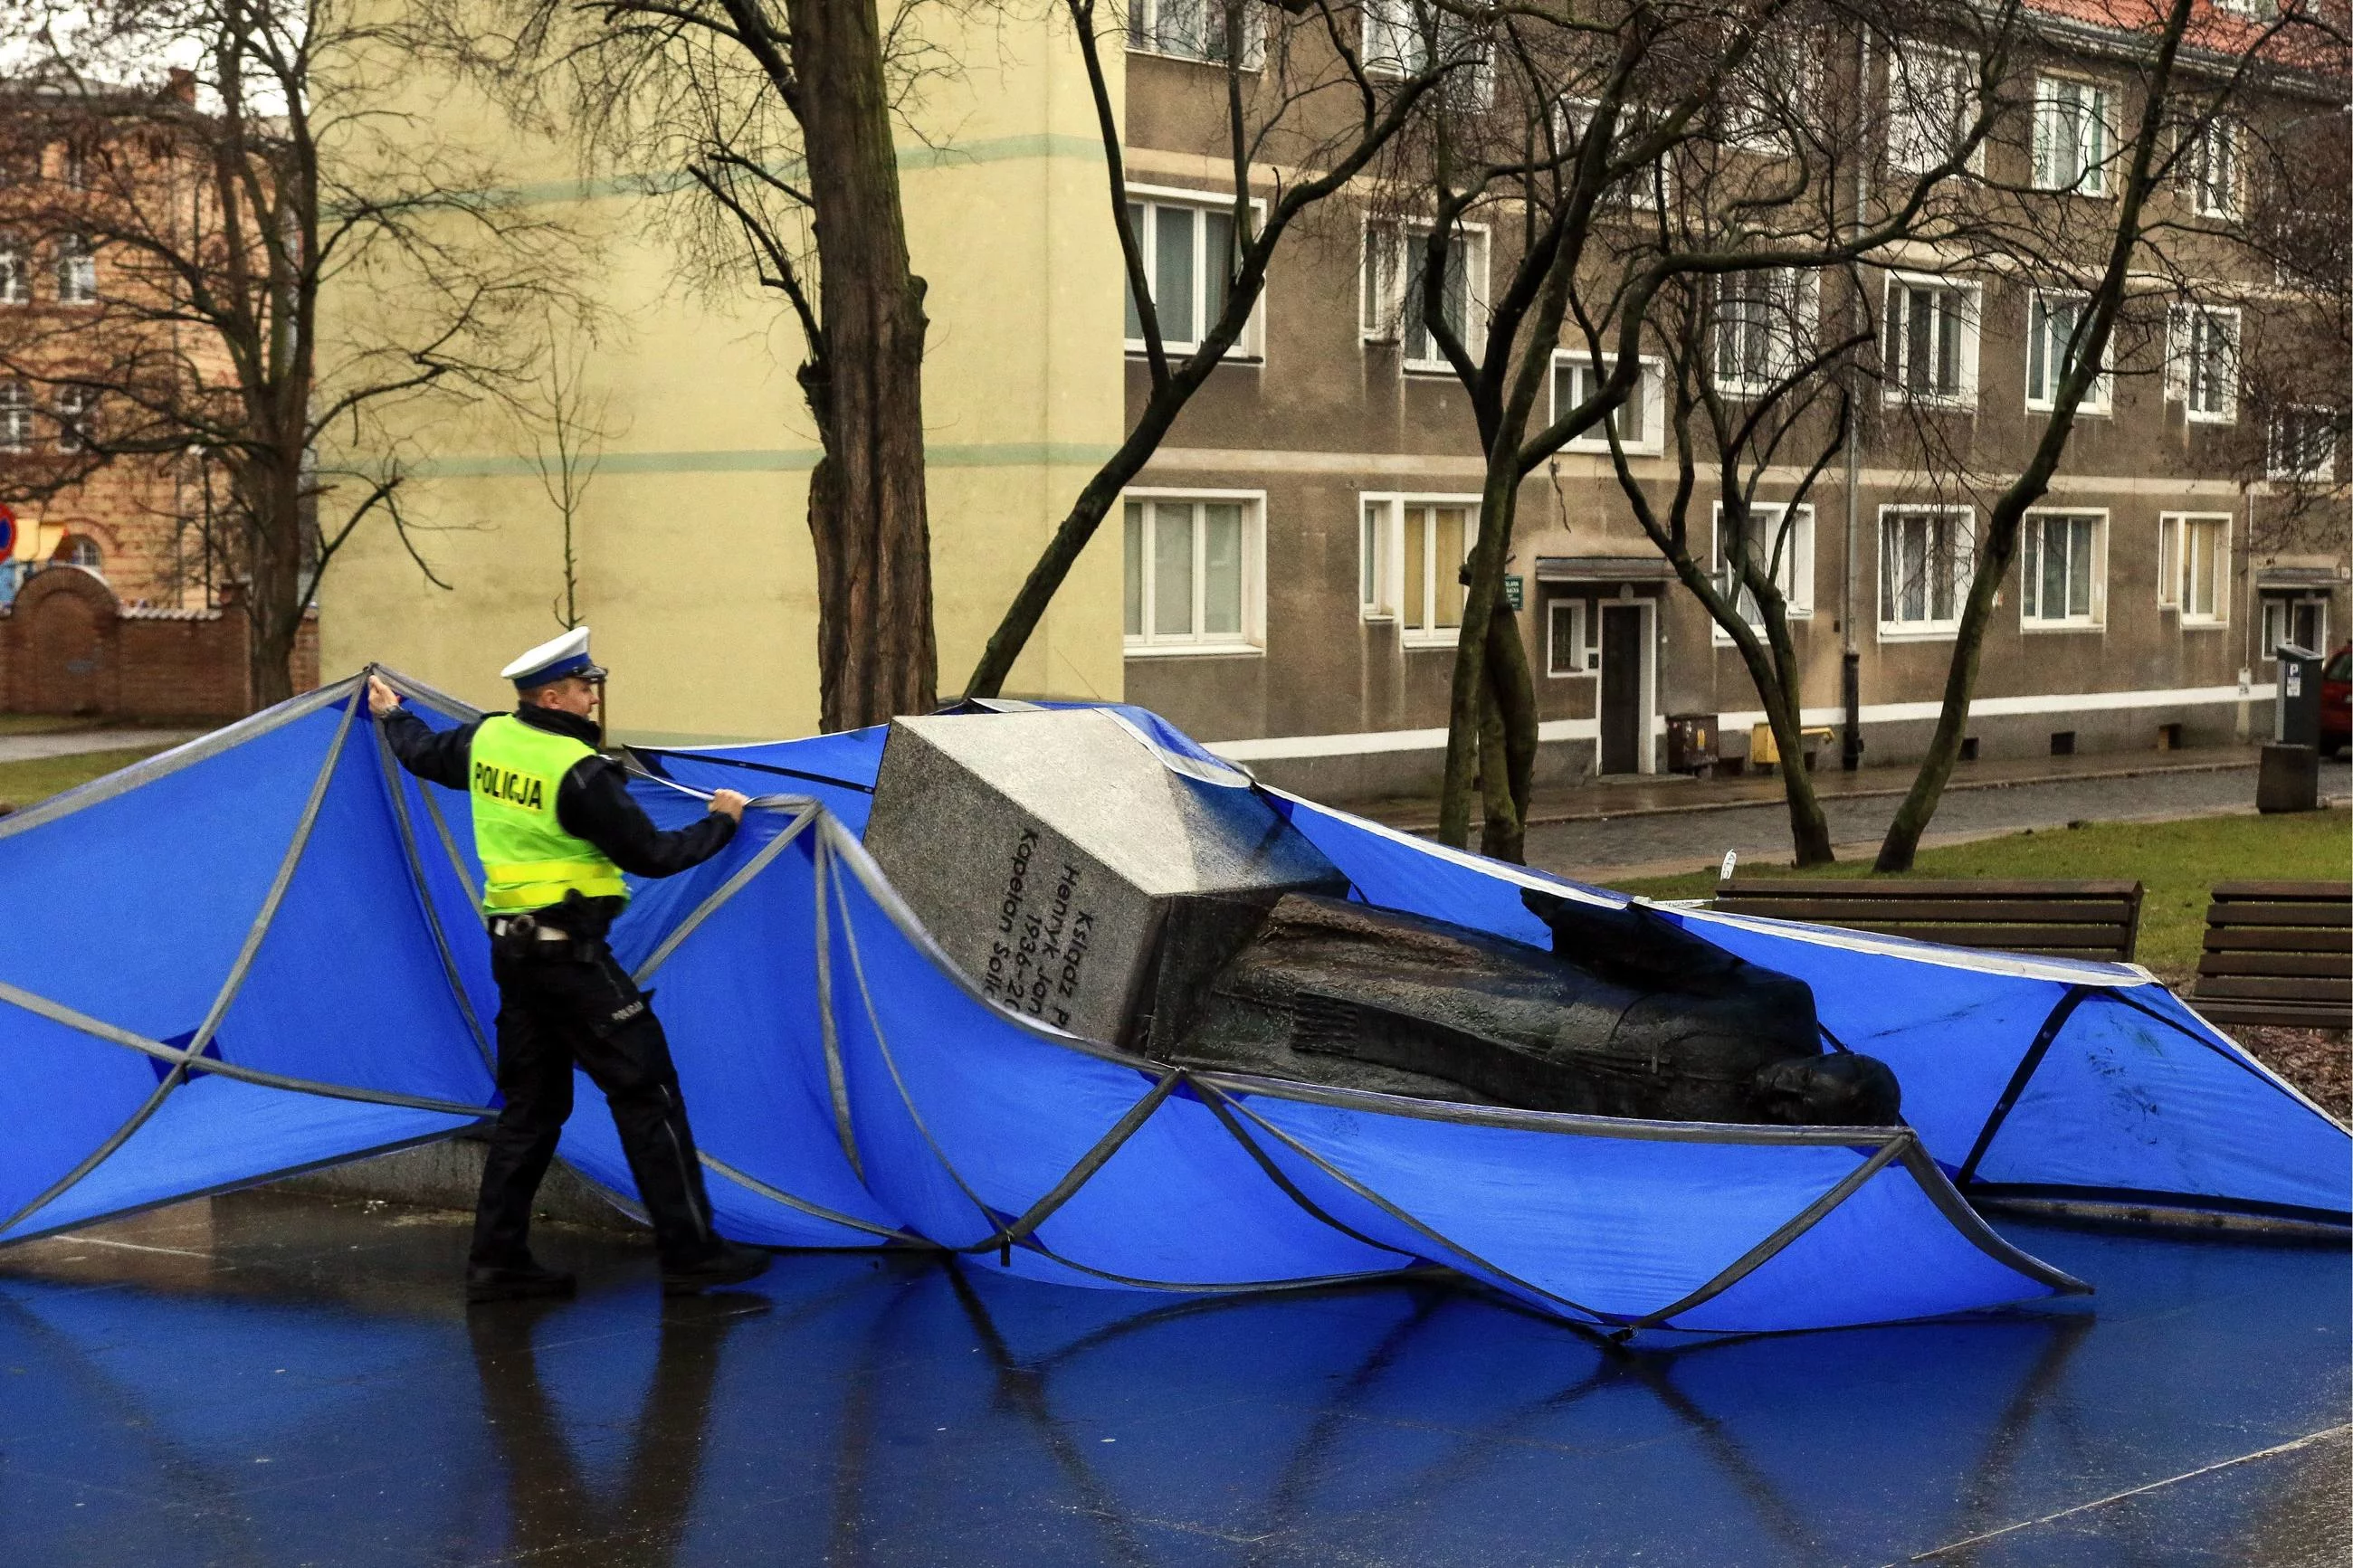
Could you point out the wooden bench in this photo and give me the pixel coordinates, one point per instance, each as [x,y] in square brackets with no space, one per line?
[2059,920]
[2278,953]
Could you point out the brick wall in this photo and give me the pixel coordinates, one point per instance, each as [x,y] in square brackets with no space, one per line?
[68,645]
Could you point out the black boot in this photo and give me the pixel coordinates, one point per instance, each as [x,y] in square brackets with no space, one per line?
[515,1282]
[729,1263]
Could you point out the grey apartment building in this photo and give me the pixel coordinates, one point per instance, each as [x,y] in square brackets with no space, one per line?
[1292,546]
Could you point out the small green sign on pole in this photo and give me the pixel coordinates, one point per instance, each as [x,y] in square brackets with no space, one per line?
[1515,590]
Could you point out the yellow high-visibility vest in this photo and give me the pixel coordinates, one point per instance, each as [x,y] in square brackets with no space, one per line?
[529,861]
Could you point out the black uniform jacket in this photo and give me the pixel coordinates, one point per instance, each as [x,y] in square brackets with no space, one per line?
[591,802]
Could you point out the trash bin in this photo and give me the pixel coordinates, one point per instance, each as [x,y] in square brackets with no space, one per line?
[2297,706]
[1691,744]
[2287,778]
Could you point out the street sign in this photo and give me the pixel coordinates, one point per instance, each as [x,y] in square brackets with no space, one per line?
[7,532]
[1514,590]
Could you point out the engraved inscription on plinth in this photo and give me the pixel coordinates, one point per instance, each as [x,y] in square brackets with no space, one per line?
[1044,849]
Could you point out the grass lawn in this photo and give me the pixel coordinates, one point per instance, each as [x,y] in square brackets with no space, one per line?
[2177,864]
[22,783]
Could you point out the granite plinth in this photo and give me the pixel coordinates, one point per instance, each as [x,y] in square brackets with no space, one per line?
[1045,851]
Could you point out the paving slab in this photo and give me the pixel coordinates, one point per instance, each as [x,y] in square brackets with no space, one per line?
[263,1379]
[79,742]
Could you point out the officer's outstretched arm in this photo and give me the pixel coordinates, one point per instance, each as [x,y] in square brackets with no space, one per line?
[594,803]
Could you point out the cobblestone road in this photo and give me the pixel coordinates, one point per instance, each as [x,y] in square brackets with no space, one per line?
[1663,843]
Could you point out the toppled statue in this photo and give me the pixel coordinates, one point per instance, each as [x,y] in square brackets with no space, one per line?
[1081,882]
[1629,1016]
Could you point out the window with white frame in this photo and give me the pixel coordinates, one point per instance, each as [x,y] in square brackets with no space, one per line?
[1641,189]
[1932,341]
[2304,445]
[70,407]
[1640,422]
[1781,543]
[2053,324]
[1566,652]
[1411,551]
[1407,38]
[1932,104]
[2202,360]
[2071,135]
[15,418]
[1188,245]
[1197,29]
[1774,98]
[1926,557]
[1392,302]
[1764,327]
[1194,573]
[2060,572]
[2302,620]
[2211,162]
[15,273]
[77,271]
[2193,565]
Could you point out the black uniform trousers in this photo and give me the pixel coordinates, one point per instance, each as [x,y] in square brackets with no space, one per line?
[572,1002]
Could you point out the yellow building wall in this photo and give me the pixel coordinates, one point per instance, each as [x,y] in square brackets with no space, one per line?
[696,572]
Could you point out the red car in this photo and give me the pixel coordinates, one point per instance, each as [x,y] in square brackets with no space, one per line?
[2336,686]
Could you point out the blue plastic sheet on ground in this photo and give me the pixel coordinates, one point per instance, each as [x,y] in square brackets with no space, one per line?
[315,989]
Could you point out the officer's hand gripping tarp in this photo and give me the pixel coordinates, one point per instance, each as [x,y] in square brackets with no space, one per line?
[849,1088]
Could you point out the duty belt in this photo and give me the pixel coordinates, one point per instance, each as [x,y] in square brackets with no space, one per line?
[524,933]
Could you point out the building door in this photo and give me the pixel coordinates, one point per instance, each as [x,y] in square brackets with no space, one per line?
[1621,689]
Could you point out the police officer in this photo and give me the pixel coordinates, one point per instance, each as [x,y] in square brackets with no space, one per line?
[554,828]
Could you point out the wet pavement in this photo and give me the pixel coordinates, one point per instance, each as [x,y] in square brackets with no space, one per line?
[1662,843]
[265,1379]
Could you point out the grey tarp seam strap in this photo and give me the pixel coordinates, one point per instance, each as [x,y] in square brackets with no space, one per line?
[1781,1235]
[395,786]
[449,848]
[1001,1236]
[1078,1175]
[1568,1124]
[836,1083]
[97,1028]
[2052,1025]
[164,763]
[719,896]
[1216,1101]
[1245,1287]
[1394,1212]
[440,702]
[229,988]
[890,1063]
[817,1211]
[1956,1209]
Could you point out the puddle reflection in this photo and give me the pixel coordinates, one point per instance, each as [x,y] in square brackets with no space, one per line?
[863,1410]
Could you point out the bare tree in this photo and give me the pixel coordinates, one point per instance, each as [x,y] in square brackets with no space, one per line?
[2104,262]
[570,424]
[192,231]
[781,117]
[1307,97]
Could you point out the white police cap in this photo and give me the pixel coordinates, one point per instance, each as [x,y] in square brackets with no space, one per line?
[553,660]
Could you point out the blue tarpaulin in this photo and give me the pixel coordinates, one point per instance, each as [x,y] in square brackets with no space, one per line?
[258,954]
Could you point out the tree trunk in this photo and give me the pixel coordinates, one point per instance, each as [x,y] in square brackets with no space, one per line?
[876,656]
[1507,739]
[271,497]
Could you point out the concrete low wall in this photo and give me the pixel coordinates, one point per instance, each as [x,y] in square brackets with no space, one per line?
[447,1175]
